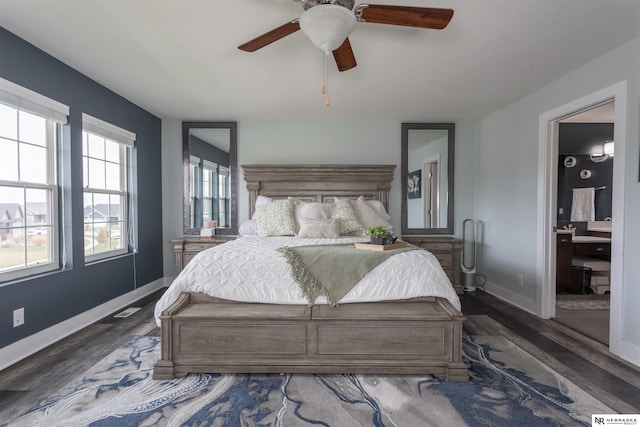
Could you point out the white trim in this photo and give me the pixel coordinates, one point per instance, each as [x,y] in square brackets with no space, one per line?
[547,182]
[630,352]
[510,297]
[33,102]
[107,130]
[24,348]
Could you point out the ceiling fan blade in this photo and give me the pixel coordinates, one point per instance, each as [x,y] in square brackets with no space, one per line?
[344,56]
[271,36]
[406,16]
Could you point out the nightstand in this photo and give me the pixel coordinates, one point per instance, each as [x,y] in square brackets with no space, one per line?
[187,247]
[447,250]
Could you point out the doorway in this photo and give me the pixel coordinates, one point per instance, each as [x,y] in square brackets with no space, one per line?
[586,152]
[431,194]
[547,206]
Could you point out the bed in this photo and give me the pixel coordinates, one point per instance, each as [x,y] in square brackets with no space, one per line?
[244,326]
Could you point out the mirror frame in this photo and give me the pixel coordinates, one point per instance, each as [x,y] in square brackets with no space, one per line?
[404,172]
[233,167]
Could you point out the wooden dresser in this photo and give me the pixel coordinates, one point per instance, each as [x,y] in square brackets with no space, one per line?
[187,247]
[448,250]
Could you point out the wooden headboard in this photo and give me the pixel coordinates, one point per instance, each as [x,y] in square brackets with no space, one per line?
[318,183]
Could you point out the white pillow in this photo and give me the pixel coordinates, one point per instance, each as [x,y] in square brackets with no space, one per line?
[348,220]
[276,219]
[311,210]
[378,208]
[261,201]
[367,217]
[323,228]
[249,227]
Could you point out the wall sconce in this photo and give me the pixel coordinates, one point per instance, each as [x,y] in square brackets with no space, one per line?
[609,148]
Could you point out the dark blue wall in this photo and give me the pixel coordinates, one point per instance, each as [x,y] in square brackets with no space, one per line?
[51,298]
[578,140]
[206,151]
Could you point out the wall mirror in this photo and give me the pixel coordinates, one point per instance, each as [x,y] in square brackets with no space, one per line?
[427,178]
[209,156]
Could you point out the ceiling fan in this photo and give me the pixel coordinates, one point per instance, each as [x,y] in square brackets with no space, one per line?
[328,24]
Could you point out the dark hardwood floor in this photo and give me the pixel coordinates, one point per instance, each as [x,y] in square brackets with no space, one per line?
[580,359]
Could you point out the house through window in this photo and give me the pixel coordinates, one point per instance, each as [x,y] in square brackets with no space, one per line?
[29,226]
[106,213]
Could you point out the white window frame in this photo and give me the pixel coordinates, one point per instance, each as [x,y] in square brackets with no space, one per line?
[126,140]
[56,113]
[194,171]
[209,172]
[223,195]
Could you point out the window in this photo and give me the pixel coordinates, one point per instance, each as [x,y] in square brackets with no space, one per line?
[106,213]
[29,226]
[224,189]
[194,174]
[209,189]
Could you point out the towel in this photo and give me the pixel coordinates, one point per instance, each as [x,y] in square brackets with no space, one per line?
[582,205]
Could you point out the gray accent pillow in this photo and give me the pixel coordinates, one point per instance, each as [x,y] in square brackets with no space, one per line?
[276,219]
[348,220]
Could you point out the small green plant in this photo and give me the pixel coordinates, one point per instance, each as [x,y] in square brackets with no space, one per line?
[376,231]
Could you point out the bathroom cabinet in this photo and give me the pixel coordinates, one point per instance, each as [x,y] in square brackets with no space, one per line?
[564,253]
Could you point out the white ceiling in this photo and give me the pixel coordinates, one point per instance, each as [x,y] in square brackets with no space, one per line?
[179,58]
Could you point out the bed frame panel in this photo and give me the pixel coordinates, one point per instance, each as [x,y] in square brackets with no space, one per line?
[203,334]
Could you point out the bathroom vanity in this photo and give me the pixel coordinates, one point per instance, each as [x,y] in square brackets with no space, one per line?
[597,244]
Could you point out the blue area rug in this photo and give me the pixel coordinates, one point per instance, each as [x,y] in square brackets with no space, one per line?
[507,388]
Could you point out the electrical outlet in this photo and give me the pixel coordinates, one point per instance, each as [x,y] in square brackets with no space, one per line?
[520,279]
[18,317]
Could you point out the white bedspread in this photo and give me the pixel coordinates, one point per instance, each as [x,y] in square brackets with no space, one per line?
[250,269]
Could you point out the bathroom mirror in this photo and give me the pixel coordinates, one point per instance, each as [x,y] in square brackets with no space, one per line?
[427,178]
[209,153]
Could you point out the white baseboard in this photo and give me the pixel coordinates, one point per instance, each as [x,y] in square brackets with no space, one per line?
[19,350]
[511,297]
[630,352]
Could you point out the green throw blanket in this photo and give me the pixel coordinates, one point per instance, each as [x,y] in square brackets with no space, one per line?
[332,270]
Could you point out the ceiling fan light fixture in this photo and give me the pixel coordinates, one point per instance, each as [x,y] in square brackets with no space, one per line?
[327,25]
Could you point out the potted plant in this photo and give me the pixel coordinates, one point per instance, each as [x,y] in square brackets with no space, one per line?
[377,234]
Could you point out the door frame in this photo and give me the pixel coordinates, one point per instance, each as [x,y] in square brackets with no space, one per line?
[428,183]
[547,204]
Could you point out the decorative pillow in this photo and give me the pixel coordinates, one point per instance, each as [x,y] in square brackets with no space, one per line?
[261,201]
[249,227]
[378,208]
[311,210]
[348,220]
[325,228]
[367,216]
[276,219]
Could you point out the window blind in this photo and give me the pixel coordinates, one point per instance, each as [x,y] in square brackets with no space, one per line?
[107,130]
[33,102]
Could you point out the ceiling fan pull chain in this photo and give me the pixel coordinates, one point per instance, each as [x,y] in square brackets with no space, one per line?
[325,86]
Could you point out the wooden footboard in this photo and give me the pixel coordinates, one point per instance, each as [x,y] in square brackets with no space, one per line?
[201,334]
